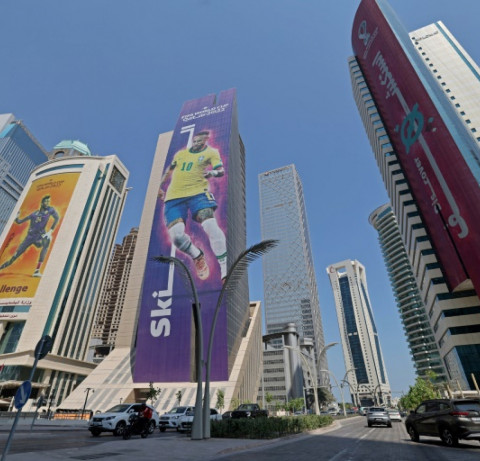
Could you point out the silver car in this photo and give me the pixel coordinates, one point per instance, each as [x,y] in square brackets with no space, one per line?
[378,415]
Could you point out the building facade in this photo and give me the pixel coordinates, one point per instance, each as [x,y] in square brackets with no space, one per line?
[20,153]
[160,295]
[426,147]
[416,325]
[290,287]
[112,298]
[53,258]
[366,373]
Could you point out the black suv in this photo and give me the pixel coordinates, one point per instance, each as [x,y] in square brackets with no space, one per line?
[449,419]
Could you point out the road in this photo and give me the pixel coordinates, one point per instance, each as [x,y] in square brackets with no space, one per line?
[348,440]
[355,441]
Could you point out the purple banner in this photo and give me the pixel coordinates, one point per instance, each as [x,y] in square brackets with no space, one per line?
[443,185]
[190,223]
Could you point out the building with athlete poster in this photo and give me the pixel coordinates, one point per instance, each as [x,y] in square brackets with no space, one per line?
[53,255]
[194,210]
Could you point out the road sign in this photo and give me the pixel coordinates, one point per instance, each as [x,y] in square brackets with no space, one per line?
[44,346]
[23,394]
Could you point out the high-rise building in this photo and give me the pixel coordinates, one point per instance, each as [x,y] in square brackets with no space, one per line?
[112,298]
[20,153]
[366,372]
[418,331]
[155,342]
[53,258]
[417,96]
[290,286]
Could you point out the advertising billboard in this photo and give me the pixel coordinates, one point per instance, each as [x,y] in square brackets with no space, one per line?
[190,223]
[417,115]
[25,251]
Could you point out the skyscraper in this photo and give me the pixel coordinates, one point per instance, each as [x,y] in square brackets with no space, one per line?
[20,153]
[366,372]
[290,287]
[414,96]
[112,298]
[53,259]
[155,342]
[420,338]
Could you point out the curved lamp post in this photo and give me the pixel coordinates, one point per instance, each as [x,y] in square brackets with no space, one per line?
[197,429]
[234,274]
[314,376]
[323,350]
[346,381]
[341,391]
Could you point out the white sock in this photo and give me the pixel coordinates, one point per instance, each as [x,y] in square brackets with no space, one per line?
[218,243]
[182,241]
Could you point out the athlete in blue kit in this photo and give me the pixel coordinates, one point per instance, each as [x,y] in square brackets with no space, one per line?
[37,234]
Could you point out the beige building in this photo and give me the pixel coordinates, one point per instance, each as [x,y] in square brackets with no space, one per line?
[112,298]
[55,249]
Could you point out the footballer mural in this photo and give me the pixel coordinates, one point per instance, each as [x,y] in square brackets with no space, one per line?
[190,223]
[27,245]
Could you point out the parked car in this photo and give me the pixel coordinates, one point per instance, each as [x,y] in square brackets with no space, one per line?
[394,415]
[171,419]
[249,410]
[116,419]
[378,415]
[449,419]
[227,415]
[186,420]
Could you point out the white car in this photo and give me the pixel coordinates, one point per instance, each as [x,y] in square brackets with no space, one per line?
[171,419]
[186,420]
[116,418]
[394,415]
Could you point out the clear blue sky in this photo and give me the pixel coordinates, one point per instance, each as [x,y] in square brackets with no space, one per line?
[114,74]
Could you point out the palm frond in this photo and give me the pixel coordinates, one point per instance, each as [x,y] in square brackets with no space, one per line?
[240,265]
[186,276]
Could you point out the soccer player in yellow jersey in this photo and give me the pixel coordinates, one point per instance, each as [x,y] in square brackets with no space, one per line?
[188,190]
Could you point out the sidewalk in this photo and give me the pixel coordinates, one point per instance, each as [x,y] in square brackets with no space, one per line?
[166,448]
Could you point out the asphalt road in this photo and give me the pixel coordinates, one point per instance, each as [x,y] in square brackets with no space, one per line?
[355,441]
[43,439]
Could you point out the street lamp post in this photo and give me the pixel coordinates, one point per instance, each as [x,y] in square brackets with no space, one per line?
[345,380]
[234,274]
[87,390]
[197,424]
[324,349]
[341,391]
[313,377]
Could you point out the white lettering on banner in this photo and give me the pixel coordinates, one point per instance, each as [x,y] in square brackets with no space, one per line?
[160,324]
[426,181]
[385,75]
[372,38]
[410,132]
[205,112]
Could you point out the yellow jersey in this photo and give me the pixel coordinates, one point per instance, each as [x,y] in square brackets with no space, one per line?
[187,176]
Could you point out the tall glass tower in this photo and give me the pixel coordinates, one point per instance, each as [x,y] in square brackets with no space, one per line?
[20,153]
[290,287]
[420,338]
[366,372]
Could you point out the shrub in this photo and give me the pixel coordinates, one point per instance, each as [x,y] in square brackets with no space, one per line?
[267,428]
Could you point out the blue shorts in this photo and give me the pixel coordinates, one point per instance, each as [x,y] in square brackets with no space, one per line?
[178,207]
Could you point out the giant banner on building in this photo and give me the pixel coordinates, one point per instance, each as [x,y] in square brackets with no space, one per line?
[28,243]
[432,158]
[190,223]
